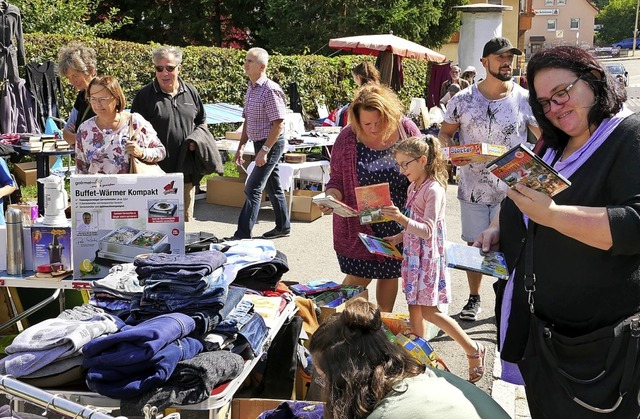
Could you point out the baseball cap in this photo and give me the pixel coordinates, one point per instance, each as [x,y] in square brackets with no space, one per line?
[499,46]
[470,68]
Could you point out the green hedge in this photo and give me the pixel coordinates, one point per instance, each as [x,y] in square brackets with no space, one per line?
[218,73]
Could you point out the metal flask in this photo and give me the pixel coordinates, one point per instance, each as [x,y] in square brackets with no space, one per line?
[15,250]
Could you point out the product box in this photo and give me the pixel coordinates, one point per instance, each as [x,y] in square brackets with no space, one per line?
[116,218]
[481,152]
[25,173]
[302,207]
[224,190]
[327,311]
[29,213]
[51,249]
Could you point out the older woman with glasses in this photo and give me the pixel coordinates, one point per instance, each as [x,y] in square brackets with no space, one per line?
[77,63]
[362,156]
[104,142]
[581,271]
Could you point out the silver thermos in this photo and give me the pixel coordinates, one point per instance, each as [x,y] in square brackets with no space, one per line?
[15,250]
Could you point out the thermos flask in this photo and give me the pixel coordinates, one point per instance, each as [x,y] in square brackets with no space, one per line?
[15,250]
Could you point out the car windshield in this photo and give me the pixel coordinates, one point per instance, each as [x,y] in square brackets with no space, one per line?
[615,69]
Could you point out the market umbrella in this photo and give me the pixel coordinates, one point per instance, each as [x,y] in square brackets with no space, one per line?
[373,44]
[390,50]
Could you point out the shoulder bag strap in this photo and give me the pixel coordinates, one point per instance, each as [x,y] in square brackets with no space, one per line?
[133,135]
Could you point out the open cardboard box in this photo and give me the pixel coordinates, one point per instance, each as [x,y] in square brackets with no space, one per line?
[303,208]
[326,312]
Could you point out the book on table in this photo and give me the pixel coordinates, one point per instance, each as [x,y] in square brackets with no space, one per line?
[521,165]
[379,246]
[469,258]
[339,207]
[371,199]
[315,287]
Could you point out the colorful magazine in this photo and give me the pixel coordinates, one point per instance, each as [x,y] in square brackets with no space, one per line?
[371,199]
[521,165]
[339,207]
[468,258]
[379,246]
[314,287]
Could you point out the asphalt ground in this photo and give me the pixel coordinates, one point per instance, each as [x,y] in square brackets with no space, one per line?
[310,254]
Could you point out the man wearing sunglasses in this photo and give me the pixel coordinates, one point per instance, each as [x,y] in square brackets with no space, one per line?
[495,110]
[177,113]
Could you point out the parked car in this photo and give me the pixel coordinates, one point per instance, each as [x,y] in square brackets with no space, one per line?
[619,72]
[626,43]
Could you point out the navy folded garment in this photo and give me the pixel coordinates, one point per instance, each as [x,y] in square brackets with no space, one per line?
[191,382]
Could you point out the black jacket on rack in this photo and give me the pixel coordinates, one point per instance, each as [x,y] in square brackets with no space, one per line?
[11,42]
[45,87]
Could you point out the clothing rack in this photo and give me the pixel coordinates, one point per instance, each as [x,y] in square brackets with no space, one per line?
[50,402]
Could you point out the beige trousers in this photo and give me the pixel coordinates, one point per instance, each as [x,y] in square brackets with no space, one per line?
[189,200]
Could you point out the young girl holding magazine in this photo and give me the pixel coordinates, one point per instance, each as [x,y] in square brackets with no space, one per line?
[425,277]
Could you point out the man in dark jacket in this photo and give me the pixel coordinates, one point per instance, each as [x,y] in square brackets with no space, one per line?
[175,110]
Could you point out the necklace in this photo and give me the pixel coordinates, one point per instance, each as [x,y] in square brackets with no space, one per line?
[110,125]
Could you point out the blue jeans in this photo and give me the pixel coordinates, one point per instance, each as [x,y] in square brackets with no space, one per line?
[265,178]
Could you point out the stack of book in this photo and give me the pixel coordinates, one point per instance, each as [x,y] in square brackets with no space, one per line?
[31,144]
[62,145]
[49,144]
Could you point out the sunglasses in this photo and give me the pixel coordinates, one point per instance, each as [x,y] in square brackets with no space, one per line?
[169,68]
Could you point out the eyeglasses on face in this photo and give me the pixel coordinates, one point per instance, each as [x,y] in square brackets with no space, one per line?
[405,164]
[559,98]
[169,68]
[100,100]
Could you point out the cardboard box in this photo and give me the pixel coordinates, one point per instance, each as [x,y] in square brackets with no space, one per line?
[51,247]
[303,208]
[29,213]
[252,408]
[326,312]
[116,218]
[25,173]
[227,191]
[481,152]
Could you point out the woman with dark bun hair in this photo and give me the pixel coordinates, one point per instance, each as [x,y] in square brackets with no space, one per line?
[365,375]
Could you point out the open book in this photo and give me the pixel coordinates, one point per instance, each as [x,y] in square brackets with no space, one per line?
[371,199]
[339,207]
[379,246]
[521,165]
[468,258]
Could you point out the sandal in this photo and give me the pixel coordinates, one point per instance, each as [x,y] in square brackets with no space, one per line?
[476,373]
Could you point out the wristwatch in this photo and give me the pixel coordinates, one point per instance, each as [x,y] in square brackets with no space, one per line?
[265,149]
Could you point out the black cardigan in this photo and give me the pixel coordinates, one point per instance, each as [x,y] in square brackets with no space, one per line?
[580,288]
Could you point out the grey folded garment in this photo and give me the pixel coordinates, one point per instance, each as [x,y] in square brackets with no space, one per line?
[190,383]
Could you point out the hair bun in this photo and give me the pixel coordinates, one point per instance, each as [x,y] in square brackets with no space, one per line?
[361,314]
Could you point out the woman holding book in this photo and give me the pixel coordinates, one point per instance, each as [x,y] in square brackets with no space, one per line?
[574,258]
[361,156]
[106,143]
[365,375]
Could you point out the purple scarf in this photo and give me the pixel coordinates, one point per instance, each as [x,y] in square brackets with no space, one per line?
[510,371]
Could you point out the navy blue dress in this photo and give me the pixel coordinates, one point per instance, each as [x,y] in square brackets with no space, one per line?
[378,166]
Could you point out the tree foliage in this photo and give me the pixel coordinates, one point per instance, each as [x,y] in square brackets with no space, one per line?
[68,17]
[283,26]
[618,20]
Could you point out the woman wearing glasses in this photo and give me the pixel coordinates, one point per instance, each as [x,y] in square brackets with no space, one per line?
[104,142]
[361,156]
[585,241]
